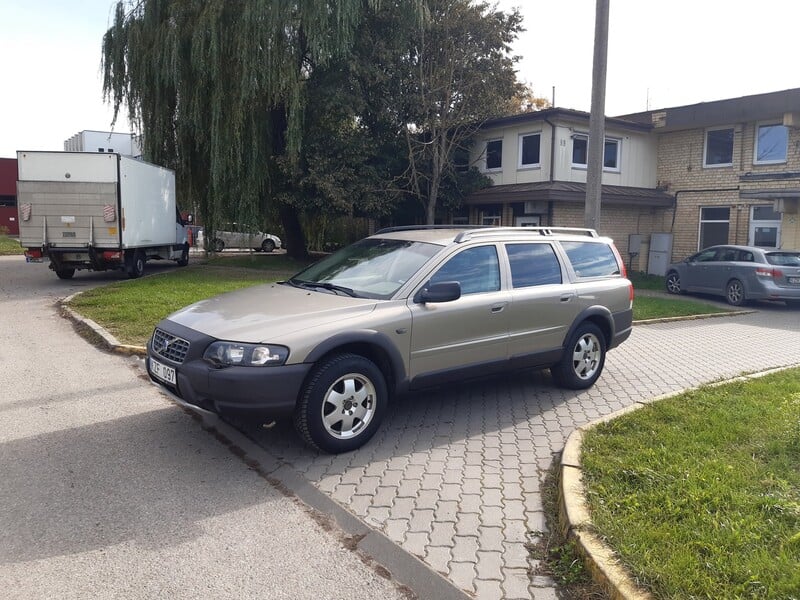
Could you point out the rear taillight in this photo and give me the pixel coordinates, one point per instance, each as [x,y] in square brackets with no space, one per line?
[765,272]
[630,292]
[33,253]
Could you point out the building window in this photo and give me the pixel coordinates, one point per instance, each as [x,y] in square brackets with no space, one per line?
[491,216]
[719,148]
[611,155]
[529,150]
[772,142]
[580,150]
[714,225]
[765,227]
[580,153]
[494,155]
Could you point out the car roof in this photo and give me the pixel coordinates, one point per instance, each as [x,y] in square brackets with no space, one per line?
[444,235]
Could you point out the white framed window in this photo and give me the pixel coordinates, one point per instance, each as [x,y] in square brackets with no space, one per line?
[494,155]
[491,216]
[580,152]
[529,150]
[772,143]
[718,147]
[765,227]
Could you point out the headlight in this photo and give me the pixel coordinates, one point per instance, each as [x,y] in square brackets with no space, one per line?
[245,355]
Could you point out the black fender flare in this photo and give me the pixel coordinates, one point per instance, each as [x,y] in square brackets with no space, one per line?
[364,337]
[601,316]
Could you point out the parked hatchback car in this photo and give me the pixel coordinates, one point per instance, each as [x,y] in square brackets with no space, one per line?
[405,309]
[739,274]
[233,235]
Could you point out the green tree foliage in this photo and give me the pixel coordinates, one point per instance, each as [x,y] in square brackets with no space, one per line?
[217,87]
[460,73]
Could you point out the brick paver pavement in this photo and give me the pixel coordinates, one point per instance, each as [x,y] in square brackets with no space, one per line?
[454,474]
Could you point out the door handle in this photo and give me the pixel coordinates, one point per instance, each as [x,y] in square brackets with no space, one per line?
[499,307]
[567,297]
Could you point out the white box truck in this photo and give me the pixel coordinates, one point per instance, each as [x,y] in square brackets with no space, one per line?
[97,211]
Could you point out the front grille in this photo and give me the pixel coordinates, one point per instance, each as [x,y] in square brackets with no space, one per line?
[169,346]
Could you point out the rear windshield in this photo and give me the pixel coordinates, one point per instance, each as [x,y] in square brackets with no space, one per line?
[784,259]
[591,259]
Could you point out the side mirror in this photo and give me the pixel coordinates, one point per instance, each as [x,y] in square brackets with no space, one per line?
[445,291]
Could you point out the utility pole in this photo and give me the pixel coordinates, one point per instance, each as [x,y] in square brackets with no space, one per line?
[597,118]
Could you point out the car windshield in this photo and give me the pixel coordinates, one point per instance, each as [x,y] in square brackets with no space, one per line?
[784,259]
[371,268]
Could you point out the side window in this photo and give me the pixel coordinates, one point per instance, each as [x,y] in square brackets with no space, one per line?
[476,269]
[706,255]
[533,264]
[591,259]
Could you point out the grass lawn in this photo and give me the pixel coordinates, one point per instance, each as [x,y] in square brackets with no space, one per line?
[646,307]
[9,246]
[700,494]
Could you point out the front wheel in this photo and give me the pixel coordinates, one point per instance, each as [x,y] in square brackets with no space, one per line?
[342,405]
[734,292]
[267,246]
[583,360]
[673,283]
[218,245]
[184,259]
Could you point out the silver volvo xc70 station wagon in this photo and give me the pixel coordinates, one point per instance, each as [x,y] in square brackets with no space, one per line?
[404,309]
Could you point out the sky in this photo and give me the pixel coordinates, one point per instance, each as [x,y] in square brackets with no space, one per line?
[660,54]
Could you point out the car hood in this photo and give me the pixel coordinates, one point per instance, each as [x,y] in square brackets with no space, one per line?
[266,313]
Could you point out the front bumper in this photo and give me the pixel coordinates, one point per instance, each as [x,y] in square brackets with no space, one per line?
[251,392]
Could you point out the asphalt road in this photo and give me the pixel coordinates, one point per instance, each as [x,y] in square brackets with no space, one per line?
[110,490]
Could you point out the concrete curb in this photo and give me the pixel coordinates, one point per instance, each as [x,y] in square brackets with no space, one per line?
[574,516]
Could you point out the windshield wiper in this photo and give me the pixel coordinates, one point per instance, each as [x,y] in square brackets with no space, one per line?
[332,287]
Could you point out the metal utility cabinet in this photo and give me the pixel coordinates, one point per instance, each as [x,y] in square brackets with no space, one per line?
[97,211]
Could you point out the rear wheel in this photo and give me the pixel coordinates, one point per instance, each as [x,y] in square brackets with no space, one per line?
[218,245]
[342,405]
[583,360]
[734,293]
[65,273]
[134,264]
[673,283]
[267,246]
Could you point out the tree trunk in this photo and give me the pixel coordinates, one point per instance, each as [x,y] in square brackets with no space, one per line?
[294,240]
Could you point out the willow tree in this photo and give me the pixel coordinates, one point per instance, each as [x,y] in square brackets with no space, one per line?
[217,88]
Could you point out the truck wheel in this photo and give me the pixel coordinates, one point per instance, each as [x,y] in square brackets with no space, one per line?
[219,245]
[342,405]
[184,259]
[134,266]
[65,273]
[267,246]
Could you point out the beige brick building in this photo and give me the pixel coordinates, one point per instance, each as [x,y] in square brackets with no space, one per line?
[717,172]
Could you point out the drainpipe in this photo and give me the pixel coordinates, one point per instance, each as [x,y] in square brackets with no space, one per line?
[552,162]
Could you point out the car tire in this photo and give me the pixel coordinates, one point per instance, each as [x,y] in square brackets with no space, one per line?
[267,246]
[342,405]
[65,273]
[734,293]
[673,283]
[184,259]
[583,359]
[218,245]
[134,264]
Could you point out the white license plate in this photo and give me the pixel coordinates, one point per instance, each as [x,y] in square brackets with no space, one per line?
[162,372]
[793,279]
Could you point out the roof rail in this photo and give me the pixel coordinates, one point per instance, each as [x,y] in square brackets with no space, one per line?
[418,227]
[468,235]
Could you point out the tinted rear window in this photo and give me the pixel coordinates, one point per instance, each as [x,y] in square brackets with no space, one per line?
[591,259]
[785,259]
